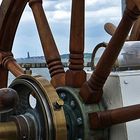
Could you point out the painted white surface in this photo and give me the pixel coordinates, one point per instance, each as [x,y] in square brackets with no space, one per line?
[130,86]
[123,89]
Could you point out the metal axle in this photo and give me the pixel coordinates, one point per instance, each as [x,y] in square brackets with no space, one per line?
[8,131]
[19,128]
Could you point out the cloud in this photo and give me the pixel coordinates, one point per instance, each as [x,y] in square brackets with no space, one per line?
[58,13]
[100,16]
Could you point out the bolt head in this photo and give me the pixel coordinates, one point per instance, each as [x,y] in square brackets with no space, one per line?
[72,104]
[63,96]
[79,121]
[58,104]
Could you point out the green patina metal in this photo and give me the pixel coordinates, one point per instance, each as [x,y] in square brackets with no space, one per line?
[76,113]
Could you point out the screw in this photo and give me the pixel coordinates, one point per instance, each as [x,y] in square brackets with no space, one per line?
[24,137]
[79,121]
[58,104]
[63,96]
[125,82]
[72,104]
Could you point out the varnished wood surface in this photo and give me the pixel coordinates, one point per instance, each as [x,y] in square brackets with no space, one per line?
[76,76]
[105,119]
[135,33]
[48,44]
[8,26]
[94,86]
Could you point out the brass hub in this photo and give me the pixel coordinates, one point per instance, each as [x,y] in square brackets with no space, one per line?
[49,122]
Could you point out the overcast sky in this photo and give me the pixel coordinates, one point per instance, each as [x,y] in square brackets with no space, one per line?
[98,12]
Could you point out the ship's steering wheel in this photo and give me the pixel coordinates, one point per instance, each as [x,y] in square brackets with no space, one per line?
[68,107]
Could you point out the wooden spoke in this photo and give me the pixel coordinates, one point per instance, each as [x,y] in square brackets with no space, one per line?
[94,86]
[9,22]
[137,3]
[49,47]
[110,28]
[76,76]
[135,33]
[8,26]
[8,99]
[3,77]
[100,120]
[56,120]
[9,63]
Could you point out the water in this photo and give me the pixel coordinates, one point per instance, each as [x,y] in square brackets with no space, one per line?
[40,71]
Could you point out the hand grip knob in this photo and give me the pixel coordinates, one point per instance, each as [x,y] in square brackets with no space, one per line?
[8,99]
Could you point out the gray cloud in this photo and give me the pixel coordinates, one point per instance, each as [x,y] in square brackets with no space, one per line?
[58,14]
